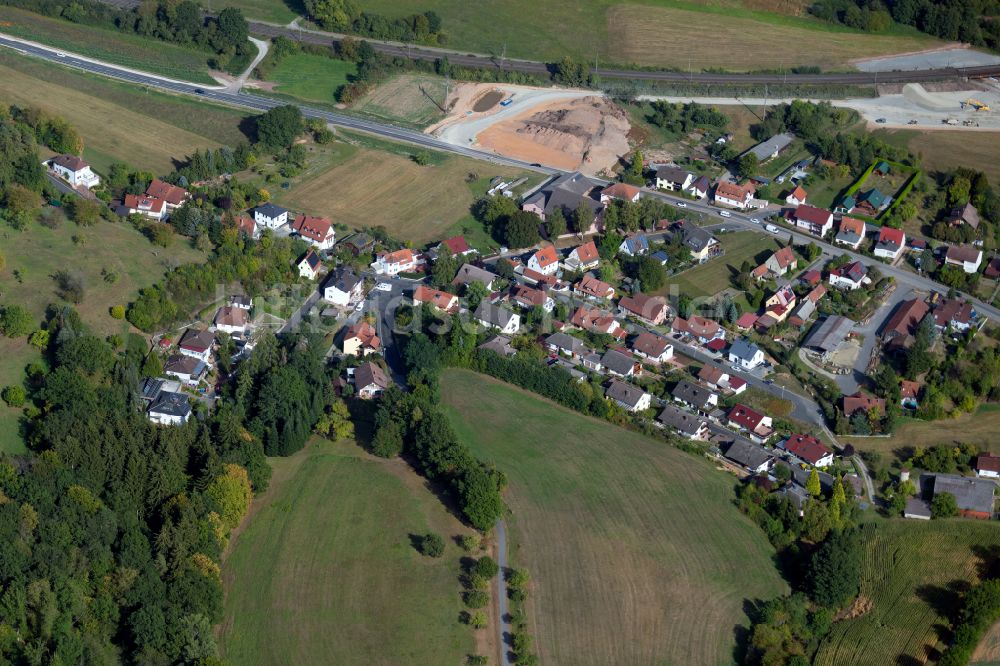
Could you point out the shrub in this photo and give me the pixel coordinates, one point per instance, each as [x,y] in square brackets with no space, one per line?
[39,339]
[15,321]
[476,599]
[486,567]
[117,311]
[469,542]
[478,620]
[517,578]
[432,545]
[14,396]
[477,660]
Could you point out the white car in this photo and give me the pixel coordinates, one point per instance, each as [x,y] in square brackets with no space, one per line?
[360,307]
[725,213]
[681,204]
[384,286]
[755,220]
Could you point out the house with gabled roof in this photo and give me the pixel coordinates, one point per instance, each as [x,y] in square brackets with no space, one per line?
[778,264]
[796,197]
[188,369]
[705,330]
[851,232]
[863,402]
[592,287]
[74,171]
[317,231]
[698,241]
[754,423]
[620,191]
[400,261]
[597,321]
[816,221]
[529,298]
[440,300]
[370,381]
[967,257]
[684,423]
[564,343]
[627,396]
[732,195]
[566,193]
[173,196]
[890,244]
[197,343]
[456,245]
[309,265]
[170,408]
[652,310]
[140,204]
[499,344]
[583,257]
[270,216]
[808,450]
[491,315]
[634,245]
[344,287]
[545,260]
[965,214]
[673,179]
[745,354]
[232,320]
[953,312]
[698,398]
[361,339]
[899,331]
[469,273]
[620,364]
[652,347]
[849,276]
[751,457]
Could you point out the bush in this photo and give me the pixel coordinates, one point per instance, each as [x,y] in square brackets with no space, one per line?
[15,321]
[14,396]
[432,545]
[476,599]
[486,567]
[117,311]
[469,542]
[477,660]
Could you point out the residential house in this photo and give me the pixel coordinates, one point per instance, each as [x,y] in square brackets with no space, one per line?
[745,354]
[597,321]
[270,216]
[863,402]
[733,195]
[197,344]
[620,191]
[966,214]
[620,364]
[746,321]
[634,245]
[899,330]
[456,245]
[566,193]
[309,265]
[652,347]
[545,261]
[594,288]
[771,148]
[652,310]
[851,232]
[992,269]
[361,339]
[683,423]
[811,277]
[317,231]
[988,466]
[751,457]
[469,273]
[563,343]
[796,197]
[173,196]
[713,376]
[778,264]
[187,369]
[74,171]
[583,258]
[246,227]
[673,179]
[628,396]
[700,187]
[241,301]
[499,344]
[808,450]
[817,294]
[344,287]
[890,243]
[705,330]
[169,408]
[974,496]
[140,204]
[814,220]
[698,241]
[967,257]
[232,320]
[698,398]
[441,300]
[958,314]
[784,297]
[849,276]
[394,263]
[370,381]
[757,425]
[495,316]
[529,298]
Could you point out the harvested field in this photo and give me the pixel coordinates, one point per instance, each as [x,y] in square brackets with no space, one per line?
[942,151]
[912,571]
[415,99]
[980,429]
[665,36]
[636,552]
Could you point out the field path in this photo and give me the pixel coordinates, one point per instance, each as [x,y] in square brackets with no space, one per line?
[504,625]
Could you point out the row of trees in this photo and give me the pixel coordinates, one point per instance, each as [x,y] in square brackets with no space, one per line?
[347,16]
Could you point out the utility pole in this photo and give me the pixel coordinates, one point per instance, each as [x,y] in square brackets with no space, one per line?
[503,55]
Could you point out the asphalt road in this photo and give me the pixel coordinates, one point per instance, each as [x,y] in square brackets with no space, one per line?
[503,624]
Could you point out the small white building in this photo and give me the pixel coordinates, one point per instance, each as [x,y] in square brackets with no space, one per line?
[545,261]
[74,171]
[309,265]
[270,216]
[746,355]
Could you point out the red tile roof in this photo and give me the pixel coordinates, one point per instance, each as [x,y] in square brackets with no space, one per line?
[139,202]
[314,228]
[806,447]
[621,191]
[908,389]
[746,417]
[587,253]
[650,344]
[364,332]
[593,287]
[799,193]
[456,244]
[890,235]
[816,294]
[246,225]
[172,194]
[442,300]
[644,305]
[746,320]
[988,463]
[733,191]
[812,215]
[863,402]
[811,277]
[717,344]
[785,257]
[527,296]
[852,225]
[546,256]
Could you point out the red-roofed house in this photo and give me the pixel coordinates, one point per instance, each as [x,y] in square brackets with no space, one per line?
[757,425]
[988,466]
[746,321]
[705,330]
[780,262]
[649,309]
[529,298]
[814,220]
[851,232]
[591,286]
[784,297]
[246,226]
[811,277]
[620,191]
[966,256]
[545,261]
[653,347]
[456,245]
[583,257]
[361,340]
[441,300]
[861,401]
[890,243]
[809,450]
[597,321]
[816,294]
[733,195]
[796,197]
[849,276]
[171,194]
[317,231]
[143,205]
[400,261]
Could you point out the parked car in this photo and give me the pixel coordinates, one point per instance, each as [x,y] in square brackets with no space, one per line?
[880,120]
[681,204]
[384,286]
[725,213]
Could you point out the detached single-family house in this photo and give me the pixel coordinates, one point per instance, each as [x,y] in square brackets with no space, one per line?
[890,243]
[499,344]
[701,186]
[245,226]
[745,354]
[361,339]
[370,381]
[705,330]
[441,300]
[456,245]
[495,316]
[317,231]
[809,450]
[814,220]
[628,396]
[900,330]
[309,265]
[909,394]
[187,369]
[620,191]
[344,287]
[74,171]
[778,264]
[699,242]
[566,193]
[594,288]
[241,301]
[684,423]
[796,197]
[673,179]
[545,260]
[733,195]
[232,320]
[957,314]
[620,364]
[849,276]
[529,298]
[583,257]
[966,214]
[967,257]
[469,273]
[862,402]
[563,343]
[851,232]
[597,321]
[751,457]
[988,466]
[652,310]
[169,408]
[784,297]
[140,204]
[270,216]
[756,425]
[394,263]
[713,376]
[173,196]
[652,347]
[634,245]
[197,344]
[698,398]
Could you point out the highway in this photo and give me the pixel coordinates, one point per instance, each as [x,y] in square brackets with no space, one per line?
[258,103]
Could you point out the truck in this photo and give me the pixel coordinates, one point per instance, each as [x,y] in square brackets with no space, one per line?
[771,229]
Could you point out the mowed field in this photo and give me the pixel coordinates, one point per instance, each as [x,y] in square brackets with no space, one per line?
[636,552]
[413,99]
[275,11]
[119,122]
[912,572]
[980,429]
[113,46]
[713,276]
[324,571]
[310,77]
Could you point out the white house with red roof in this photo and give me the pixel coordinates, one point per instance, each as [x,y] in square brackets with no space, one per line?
[246,226]
[400,261]
[528,298]
[140,204]
[651,309]
[457,245]
[808,449]
[733,195]
[705,330]
[172,195]
[545,261]
[890,243]
[74,171]
[317,231]
[796,197]
[988,466]
[620,191]
[814,220]
[849,276]
[583,258]
[594,288]
[756,424]
[441,300]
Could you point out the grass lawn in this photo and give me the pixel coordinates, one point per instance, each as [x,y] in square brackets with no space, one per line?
[823,193]
[311,77]
[148,130]
[39,252]
[980,429]
[274,11]
[912,572]
[636,552]
[113,46]
[324,571]
[412,99]
[712,277]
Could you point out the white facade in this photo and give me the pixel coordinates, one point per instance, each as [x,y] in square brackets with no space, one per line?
[168,419]
[264,219]
[748,363]
[82,177]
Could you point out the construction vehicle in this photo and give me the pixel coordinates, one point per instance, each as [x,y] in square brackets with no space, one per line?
[950,121]
[976,104]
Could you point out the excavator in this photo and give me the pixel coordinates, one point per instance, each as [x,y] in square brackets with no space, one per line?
[976,104]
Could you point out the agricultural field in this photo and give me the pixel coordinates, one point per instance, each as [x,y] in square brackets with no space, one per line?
[118,122]
[113,46]
[416,100]
[274,11]
[710,278]
[310,77]
[324,572]
[912,574]
[38,253]
[944,150]
[980,429]
[636,552]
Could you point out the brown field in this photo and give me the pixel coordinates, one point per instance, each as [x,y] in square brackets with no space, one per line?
[980,429]
[665,36]
[411,98]
[946,150]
